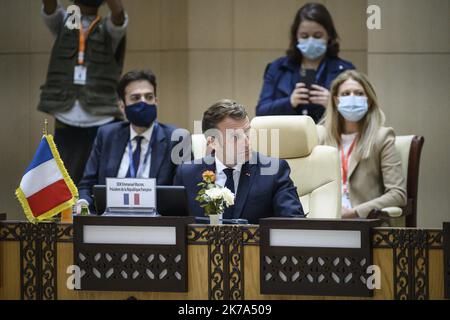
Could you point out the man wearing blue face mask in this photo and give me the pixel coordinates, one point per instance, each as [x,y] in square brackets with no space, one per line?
[140,147]
[298,83]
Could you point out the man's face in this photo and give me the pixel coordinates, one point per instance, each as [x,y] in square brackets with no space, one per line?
[233,146]
[138,91]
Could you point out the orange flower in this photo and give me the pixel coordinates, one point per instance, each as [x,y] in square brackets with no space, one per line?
[209,176]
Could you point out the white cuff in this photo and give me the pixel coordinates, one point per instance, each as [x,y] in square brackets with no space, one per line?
[82,201]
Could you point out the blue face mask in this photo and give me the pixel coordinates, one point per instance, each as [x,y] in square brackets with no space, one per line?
[312,48]
[353,108]
[141,114]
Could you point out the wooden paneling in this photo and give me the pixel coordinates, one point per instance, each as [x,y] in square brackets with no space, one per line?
[436,277]
[412,26]
[210,79]
[203,50]
[358,58]
[263,25]
[174,24]
[144,28]
[198,275]
[173,90]
[197,270]
[382,258]
[38,73]
[210,24]
[350,21]
[408,63]
[15,26]
[248,75]
[413,91]
[9,270]
[14,134]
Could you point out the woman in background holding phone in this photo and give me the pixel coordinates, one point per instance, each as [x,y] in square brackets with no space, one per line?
[298,83]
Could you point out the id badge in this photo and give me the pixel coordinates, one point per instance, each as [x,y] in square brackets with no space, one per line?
[79,75]
[347,195]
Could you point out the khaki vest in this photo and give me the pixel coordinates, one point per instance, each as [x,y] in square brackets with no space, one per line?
[98,96]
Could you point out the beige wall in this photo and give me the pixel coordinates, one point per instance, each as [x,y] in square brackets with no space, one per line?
[203,50]
[409,64]
[231,42]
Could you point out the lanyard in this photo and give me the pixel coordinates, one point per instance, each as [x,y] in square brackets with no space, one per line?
[83,37]
[133,173]
[344,161]
[320,71]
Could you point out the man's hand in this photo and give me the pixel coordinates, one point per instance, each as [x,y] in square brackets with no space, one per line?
[50,6]
[319,95]
[80,203]
[117,12]
[300,95]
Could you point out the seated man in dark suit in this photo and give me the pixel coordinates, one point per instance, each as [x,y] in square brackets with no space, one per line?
[138,148]
[261,185]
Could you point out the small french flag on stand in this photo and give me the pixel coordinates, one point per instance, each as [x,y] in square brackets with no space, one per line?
[46,188]
[126,199]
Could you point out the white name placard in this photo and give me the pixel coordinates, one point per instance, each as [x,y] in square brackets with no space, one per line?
[130,193]
[130,235]
[315,238]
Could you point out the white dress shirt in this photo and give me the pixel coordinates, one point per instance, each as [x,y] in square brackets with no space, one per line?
[221,177]
[125,163]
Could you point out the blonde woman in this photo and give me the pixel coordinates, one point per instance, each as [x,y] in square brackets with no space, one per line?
[372,176]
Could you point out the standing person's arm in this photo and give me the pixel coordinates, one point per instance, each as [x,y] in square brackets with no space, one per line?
[53,14]
[117,22]
[49,6]
[117,12]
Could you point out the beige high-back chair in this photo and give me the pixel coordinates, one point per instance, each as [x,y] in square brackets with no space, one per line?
[314,168]
[410,150]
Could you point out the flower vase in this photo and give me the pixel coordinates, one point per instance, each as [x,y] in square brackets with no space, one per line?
[215,218]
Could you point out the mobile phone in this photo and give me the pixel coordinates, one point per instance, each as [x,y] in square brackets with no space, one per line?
[308,77]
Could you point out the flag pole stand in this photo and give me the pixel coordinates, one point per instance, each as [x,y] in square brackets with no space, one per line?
[45,130]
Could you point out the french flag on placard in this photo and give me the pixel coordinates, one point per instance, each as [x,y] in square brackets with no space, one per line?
[136,198]
[46,188]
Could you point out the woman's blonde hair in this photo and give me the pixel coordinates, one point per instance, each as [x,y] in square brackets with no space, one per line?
[368,126]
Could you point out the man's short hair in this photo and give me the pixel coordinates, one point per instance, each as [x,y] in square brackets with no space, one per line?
[219,111]
[135,75]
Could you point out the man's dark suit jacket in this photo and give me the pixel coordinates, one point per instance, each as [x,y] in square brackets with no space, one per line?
[109,146]
[258,196]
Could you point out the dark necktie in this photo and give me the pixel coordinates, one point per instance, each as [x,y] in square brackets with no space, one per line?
[136,156]
[228,214]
